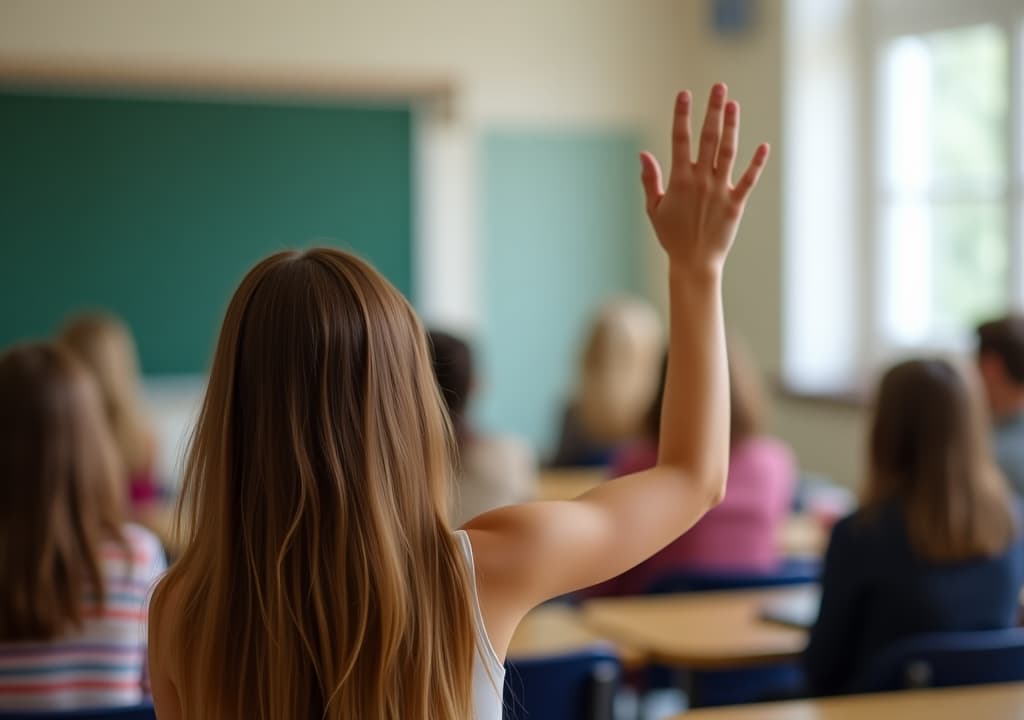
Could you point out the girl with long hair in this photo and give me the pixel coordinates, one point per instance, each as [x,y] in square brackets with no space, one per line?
[106,347]
[322,578]
[73,576]
[936,545]
[741,534]
[618,377]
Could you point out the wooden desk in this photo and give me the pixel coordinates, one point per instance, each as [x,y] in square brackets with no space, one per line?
[986,702]
[699,631]
[568,483]
[556,628]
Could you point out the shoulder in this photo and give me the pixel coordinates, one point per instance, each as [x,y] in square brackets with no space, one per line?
[868,529]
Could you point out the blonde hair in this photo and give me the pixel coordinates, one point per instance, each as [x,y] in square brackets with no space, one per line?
[58,492]
[107,348]
[930,455]
[619,372]
[321,578]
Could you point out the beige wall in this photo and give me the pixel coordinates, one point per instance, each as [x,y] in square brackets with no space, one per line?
[827,438]
[572,62]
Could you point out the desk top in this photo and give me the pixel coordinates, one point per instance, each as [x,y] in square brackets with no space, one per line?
[558,628]
[987,702]
[701,631]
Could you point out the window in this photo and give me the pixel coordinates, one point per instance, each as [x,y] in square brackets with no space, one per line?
[944,242]
[927,146]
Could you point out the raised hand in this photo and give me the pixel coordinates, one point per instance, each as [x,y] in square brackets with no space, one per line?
[696,216]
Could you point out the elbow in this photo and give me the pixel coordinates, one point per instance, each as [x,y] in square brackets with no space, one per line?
[710,485]
[716,492]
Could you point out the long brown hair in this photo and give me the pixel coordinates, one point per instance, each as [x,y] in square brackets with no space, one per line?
[107,348]
[321,578]
[930,455]
[746,396]
[59,497]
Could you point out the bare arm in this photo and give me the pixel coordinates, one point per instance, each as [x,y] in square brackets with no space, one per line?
[526,554]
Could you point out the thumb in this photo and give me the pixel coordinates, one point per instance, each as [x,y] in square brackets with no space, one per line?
[650,178]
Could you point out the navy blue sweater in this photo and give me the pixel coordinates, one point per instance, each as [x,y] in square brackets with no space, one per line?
[875,591]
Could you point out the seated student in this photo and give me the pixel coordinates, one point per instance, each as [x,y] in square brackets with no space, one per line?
[741,534]
[73,578]
[322,577]
[618,376]
[106,347]
[936,545]
[493,471]
[1001,362]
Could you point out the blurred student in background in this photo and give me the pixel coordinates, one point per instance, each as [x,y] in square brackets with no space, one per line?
[107,348]
[618,377]
[1001,362]
[741,534]
[936,545]
[73,577]
[492,471]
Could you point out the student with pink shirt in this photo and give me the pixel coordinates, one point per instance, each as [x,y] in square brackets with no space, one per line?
[740,534]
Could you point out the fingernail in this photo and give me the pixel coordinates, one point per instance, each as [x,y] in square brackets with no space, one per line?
[719,90]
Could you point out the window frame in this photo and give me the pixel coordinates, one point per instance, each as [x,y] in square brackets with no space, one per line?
[890,21]
[870,27]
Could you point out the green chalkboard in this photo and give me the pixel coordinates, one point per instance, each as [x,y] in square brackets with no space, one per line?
[155,208]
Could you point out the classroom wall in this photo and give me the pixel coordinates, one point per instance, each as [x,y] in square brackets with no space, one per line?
[827,437]
[532,63]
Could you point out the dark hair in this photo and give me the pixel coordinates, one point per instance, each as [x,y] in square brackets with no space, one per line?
[453,367]
[1005,339]
[59,492]
[930,455]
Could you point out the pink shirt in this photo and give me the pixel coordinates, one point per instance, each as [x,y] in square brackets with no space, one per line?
[741,534]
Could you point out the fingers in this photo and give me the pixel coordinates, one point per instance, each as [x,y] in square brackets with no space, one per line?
[711,133]
[650,177]
[730,139]
[750,177]
[681,133]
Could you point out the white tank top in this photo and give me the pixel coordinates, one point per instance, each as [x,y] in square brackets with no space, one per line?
[488,670]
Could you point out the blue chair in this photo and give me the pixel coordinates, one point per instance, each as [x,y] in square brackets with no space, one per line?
[135,712]
[794,571]
[947,659]
[573,686]
[734,687]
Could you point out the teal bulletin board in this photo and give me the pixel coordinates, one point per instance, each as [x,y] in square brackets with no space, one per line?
[154,208]
[562,232]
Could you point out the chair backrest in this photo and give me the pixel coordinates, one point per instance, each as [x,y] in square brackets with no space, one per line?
[791,572]
[134,712]
[947,659]
[573,686]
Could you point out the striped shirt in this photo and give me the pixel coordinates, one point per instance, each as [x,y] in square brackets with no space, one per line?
[103,663]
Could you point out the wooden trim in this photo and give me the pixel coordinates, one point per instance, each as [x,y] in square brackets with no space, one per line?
[195,80]
[851,398]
